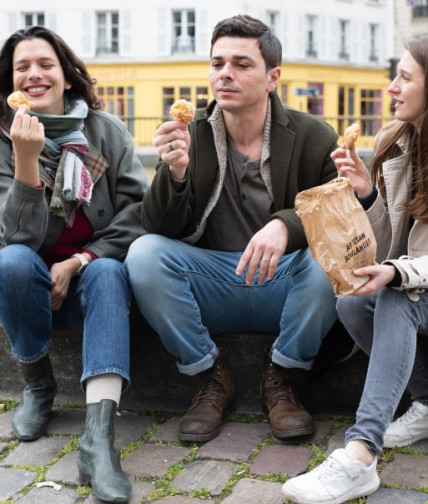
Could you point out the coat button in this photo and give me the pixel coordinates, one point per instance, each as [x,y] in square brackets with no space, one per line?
[101,212]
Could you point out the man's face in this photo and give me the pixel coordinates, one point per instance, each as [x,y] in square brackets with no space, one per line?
[238,76]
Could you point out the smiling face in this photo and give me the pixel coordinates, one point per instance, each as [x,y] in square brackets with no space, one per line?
[37,72]
[408,90]
[238,76]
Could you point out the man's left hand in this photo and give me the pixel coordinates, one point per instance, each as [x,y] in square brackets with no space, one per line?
[264,250]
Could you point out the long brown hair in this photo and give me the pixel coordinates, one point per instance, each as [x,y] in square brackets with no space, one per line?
[416,139]
[74,69]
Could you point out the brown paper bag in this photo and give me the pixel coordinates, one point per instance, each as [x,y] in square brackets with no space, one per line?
[338,231]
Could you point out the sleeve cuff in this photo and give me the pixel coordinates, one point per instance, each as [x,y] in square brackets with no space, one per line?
[366,203]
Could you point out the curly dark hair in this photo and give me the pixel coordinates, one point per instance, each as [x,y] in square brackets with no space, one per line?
[246,26]
[416,138]
[75,72]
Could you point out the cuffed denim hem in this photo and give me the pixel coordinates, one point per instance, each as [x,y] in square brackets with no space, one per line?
[33,358]
[98,372]
[286,362]
[368,444]
[206,363]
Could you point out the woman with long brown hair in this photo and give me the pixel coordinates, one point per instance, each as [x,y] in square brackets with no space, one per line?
[388,315]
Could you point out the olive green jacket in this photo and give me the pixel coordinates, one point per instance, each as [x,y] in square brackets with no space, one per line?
[300,146]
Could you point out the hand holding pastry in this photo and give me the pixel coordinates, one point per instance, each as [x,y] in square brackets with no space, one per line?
[172,140]
[28,138]
[350,165]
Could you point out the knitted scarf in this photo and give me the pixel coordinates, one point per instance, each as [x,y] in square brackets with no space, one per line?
[69,165]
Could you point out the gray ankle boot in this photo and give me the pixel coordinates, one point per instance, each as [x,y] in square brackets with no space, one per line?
[99,461]
[32,415]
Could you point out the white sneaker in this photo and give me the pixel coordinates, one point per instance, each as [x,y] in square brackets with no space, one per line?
[409,428]
[338,479]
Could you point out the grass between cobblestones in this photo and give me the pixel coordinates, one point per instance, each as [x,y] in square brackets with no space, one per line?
[162,484]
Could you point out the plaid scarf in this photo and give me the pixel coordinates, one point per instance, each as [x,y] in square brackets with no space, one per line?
[69,165]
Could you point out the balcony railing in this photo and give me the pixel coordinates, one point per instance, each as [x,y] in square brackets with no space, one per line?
[143,128]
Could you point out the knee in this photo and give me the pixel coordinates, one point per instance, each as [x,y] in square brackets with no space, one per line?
[106,273]
[145,256]
[19,263]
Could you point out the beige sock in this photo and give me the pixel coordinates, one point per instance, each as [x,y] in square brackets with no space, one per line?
[105,386]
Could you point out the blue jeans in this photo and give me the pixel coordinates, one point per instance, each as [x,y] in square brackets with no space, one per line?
[386,327]
[98,300]
[186,293]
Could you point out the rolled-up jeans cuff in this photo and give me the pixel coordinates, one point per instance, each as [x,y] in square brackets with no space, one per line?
[368,444]
[32,358]
[286,362]
[110,370]
[197,367]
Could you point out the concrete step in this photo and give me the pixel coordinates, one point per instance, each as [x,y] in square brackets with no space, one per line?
[334,388]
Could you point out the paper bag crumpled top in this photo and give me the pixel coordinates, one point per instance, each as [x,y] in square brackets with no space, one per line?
[338,231]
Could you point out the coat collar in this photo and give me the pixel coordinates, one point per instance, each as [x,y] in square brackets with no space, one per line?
[282,140]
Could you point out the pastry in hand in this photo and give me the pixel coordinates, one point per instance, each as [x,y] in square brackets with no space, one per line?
[183,110]
[16,99]
[350,135]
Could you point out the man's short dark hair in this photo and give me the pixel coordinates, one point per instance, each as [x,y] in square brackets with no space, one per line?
[246,26]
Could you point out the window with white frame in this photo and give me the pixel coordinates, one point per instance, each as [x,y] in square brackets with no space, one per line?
[183,31]
[344,39]
[373,42]
[311,36]
[107,41]
[33,19]
[272,20]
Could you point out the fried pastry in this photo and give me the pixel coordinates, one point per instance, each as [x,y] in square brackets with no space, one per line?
[16,99]
[183,110]
[350,135]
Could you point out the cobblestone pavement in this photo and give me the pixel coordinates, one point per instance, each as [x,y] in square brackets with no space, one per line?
[244,464]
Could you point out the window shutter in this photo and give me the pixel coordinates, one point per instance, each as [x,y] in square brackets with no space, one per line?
[164,32]
[259,14]
[88,34]
[300,54]
[283,35]
[352,41]
[51,20]
[12,22]
[203,36]
[332,39]
[360,43]
[126,30]
[382,44]
[366,43]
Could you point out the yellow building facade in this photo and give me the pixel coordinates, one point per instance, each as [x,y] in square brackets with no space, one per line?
[142,93]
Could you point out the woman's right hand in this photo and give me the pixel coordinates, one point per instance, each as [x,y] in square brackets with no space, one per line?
[354,169]
[172,140]
[28,138]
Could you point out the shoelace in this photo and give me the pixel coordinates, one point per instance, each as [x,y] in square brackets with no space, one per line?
[282,390]
[410,414]
[210,390]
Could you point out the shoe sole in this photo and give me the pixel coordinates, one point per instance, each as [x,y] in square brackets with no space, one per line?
[198,438]
[85,480]
[400,444]
[370,487]
[293,433]
[32,437]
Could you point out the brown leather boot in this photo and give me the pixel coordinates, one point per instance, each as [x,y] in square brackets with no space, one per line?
[202,421]
[287,416]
